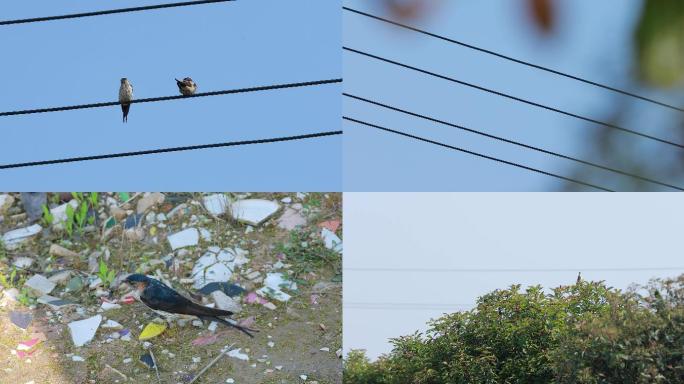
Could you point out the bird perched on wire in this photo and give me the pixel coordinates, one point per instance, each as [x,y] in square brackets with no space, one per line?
[186,86]
[125,97]
[164,300]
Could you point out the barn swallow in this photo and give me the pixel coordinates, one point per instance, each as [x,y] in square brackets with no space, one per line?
[125,97]
[186,86]
[160,298]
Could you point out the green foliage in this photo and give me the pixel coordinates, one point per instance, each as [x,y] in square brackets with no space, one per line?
[105,274]
[47,216]
[584,333]
[307,253]
[80,217]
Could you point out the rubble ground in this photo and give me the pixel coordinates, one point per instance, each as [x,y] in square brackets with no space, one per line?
[279,253]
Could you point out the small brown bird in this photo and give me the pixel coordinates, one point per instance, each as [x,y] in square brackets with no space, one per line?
[186,86]
[125,97]
[579,277]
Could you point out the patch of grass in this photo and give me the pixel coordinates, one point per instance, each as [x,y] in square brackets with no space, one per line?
[105,274]
[306,252]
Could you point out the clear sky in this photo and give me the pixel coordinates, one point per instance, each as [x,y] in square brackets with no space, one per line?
[593,40]
[221,46]
[489,230]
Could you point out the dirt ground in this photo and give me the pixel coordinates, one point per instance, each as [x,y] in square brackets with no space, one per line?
[298,342]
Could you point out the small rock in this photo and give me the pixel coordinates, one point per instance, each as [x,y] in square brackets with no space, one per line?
[23,262]
[95,283]
[303,377]
[106,306]
[197,323]
[216,204]
[13,239]
[271,344]
[212,326]
[60,277]
[226,302]
[6,201]
[21,319]
[33,204]
[127,360]
[230,381]
[149,201]
[286,200]
[180,210]
[238,355]
[40,284]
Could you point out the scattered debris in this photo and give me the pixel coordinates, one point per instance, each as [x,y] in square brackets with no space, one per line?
[253,211]
[54,302]
[112,324]
[238,355]
[216,204]
[13,239]
[186,238]
[332,225]
[331,240]
[226,302]
[21,319]
[291,219]
[77,358]
[6,201]
[152,330]
[33,204]
[40,285]
[23,262]
[217,265]
[206,340]
[148,201]
[147,360]
[83,331]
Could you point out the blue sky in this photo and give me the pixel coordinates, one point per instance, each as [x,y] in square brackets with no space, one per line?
[492,230]
[594,40]
[221,46]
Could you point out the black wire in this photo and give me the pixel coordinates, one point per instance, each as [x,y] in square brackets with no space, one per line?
[512,141]
[174,149]
[617,127]
[476,154]
[509,58]
[164,98]
[508,270]
[111,11]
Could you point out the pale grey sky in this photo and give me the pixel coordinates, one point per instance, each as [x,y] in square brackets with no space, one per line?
[492,230]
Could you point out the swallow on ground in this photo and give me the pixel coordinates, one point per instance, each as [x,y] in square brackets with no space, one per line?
[125,97]
[186,86]
[160,298]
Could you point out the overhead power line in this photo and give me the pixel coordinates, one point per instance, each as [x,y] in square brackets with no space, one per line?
[508,270]
[529,102]
[173,149]
[512,142]
[476,154]
[165,98]
[509,58]
[110,12]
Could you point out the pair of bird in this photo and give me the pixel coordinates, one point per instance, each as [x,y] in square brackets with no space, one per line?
[186,87]
[166,301]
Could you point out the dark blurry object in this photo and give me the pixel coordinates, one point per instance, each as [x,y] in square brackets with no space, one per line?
[408,9]
[33,204]
[542,12]
[660,43]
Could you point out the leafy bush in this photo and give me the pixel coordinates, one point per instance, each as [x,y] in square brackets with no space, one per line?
[583,333]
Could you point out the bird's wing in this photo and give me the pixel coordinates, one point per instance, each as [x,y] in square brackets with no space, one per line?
[161,297]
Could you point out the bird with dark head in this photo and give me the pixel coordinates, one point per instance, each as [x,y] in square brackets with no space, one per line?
[160,297]
[186,86]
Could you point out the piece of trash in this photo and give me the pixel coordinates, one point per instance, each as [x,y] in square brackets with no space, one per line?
[21,319]
[111,324]
[230,381]
[303,377]
[147,360]
[229,289]
[60,277]
[31,343]
[339,353]
[127,360]
[77,358]
[252,298]
[238,355]
[331,240]
[196,359]
[59,213]
[325,349]
[273,284]
[75,284]
[332,225]
[216,204]
[206,340]
[291,219]
[186,238]
[216,267]
[40,284]
[54,302]
[14,238]
[83,331]
[152,330]
[197,323]
[127,300]
[212,326]
[253,211]
[270,344]
[133,221]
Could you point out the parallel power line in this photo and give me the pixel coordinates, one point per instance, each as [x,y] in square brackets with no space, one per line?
[508,270]
[523,145]
[512,59]
[110,12]
[173,149]
[165,98]
[418,138]
[519,99]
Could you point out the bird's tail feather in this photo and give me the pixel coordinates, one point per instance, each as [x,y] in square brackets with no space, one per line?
[125,108]
[228,323]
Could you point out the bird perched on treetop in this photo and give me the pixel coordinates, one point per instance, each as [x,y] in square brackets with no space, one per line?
[186,86]
[160,298]
[579,277]
[125,97]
